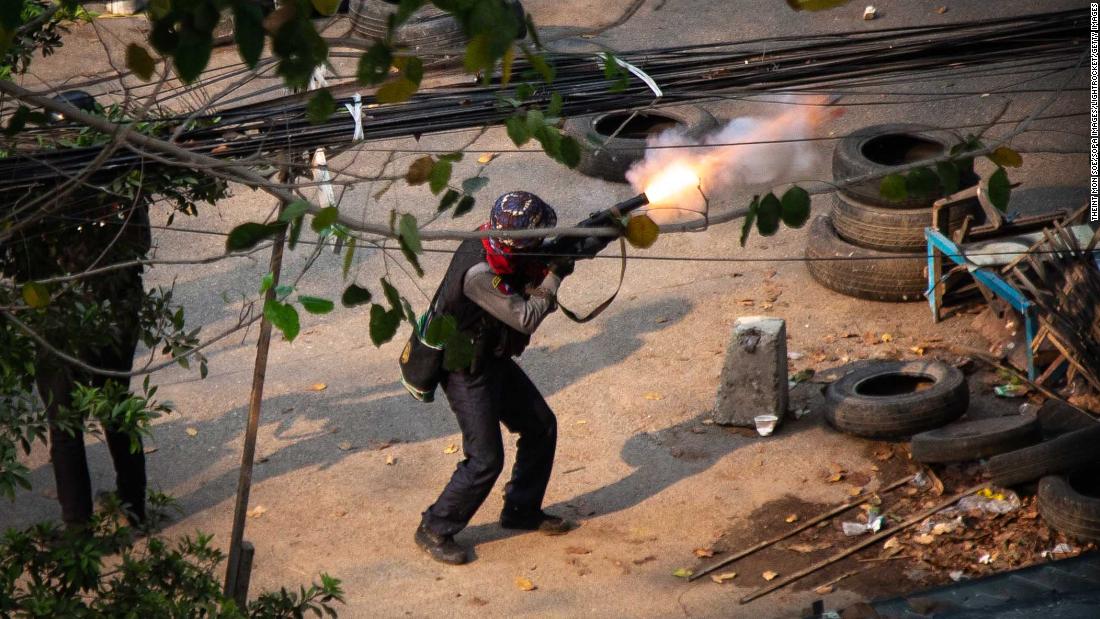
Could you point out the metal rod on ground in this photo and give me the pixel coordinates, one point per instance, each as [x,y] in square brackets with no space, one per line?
[239,565]
[809,523]
[782,582]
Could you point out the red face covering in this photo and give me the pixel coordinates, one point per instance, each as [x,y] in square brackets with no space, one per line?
[498,256]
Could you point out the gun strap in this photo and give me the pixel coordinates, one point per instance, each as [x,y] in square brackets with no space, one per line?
[602,306]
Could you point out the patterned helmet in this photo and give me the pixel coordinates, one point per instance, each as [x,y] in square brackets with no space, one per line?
[520,210]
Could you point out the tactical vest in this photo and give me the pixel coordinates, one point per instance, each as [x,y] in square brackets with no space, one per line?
[492,338]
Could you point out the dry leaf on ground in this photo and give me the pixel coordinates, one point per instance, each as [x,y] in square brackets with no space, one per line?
[808,548]
[682,572]
[577,550]
[486,158]
[823,589]
[318,387]
[524,584]
[450,449]
[390,460]
[652,395]
[345,445]
[723,577]
[704,552]
[770,575]
[257,511]
[192,432]
[792,518]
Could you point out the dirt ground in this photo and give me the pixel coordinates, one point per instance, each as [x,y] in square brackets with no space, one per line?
[347,461]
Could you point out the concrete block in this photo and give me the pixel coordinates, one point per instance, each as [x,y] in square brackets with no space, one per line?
[754,376]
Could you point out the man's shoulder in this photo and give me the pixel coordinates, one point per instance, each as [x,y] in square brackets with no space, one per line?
[481,274]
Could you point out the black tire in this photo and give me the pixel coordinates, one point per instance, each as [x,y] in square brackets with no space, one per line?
[1059,455]
[890,229]
[1072,504]
[860,272]
[971,440]
[428,29]
[885,399]
[619,153]
[1057,418]
[876,148]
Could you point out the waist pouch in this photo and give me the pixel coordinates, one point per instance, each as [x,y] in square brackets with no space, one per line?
[421,364]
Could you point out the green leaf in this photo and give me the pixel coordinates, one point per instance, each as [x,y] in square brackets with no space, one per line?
[410,315]
[326,7]
[569,151]
[479,54]
[1005,157]
[473,184]
[139,61]
[465,205]
[440,176]
[316,305]
[458,352]
[247,235]
[393,297]
[36,295]
[750,219]
[539,63]
[922,182]
[550,139]
[420,170]
[410,255]
[374,65]
[320,107]
[517,130]
[355,295]
[949,176]
[449,198]
[554,109]
[192,54]
[795,207]
[325,218]
[248,31]
[282,291]
[767,215]
[535,121]
[293,211]
[414,70]
[893,188]
[405,10]
[349,256]
[1000,190]
[454,157]
[410,233]
[283,317]
[295,232]
[397,90]
[266,282]
[440,329]
[506,63]
[383,324]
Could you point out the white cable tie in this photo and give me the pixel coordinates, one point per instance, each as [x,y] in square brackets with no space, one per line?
[319,79]
[649,81]
[323,178]
[356,110]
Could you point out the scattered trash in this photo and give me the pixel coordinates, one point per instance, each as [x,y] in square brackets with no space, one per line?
[891,547]
[723,577]
[390,460]
[985,559]
[924,539]
[869,13]
[957,575]
[1060,551]
[1010,391]
[765,424]
[800,413]
[792,518]
[795,356]
[257,511]
[192,432]
[770,575]
[987,500]
[525,584]
[852,529]
[683,572]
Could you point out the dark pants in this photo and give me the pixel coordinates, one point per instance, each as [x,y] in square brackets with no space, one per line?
[56,380]
[500,393]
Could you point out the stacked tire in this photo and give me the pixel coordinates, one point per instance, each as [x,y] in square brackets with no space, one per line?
[428,30]
[870,247]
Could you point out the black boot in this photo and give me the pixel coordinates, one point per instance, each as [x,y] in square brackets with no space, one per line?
[442,548]
[535,521]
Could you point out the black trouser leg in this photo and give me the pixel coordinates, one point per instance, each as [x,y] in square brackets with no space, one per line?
[474,400]
[70,465]
[524,411]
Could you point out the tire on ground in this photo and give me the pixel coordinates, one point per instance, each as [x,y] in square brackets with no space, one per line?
[428,29]
[1059,455]
[874,149]
[1071,504]
[609,158]
[890,229]
[860,272]
[894,399]
[971,440]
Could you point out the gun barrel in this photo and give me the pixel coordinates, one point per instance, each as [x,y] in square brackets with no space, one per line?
[637,201]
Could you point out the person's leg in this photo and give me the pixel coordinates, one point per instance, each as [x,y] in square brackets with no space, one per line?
[525,412]
[473,400]
[70,464]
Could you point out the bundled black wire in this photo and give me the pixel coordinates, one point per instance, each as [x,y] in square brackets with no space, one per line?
[836,63]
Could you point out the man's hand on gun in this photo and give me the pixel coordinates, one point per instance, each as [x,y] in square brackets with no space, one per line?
[561,266]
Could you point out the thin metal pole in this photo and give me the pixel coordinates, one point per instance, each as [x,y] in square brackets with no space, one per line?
[244,482]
